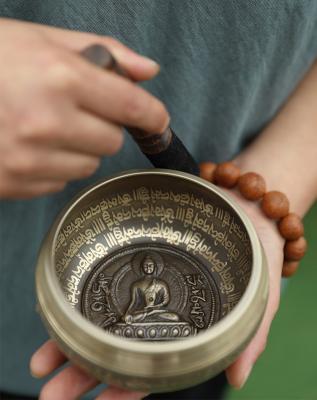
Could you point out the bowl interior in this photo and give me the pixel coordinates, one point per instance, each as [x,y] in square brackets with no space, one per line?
[153,256]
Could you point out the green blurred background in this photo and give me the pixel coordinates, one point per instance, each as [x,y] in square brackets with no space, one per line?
[288,368]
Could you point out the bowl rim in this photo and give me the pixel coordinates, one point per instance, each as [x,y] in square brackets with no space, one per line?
[102,336]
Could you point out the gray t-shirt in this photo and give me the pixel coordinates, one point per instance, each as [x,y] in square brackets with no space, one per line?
[227,67]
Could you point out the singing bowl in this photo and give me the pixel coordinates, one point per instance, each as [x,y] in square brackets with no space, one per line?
[152,280]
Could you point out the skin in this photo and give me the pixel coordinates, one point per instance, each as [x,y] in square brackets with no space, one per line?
[58,115]
[285,154]
[44,144]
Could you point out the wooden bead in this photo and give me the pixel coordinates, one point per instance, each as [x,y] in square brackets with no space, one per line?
[275,204]
[207,170]
[252,186]
[227,174]
[289,268]
[294,250]
[291,227]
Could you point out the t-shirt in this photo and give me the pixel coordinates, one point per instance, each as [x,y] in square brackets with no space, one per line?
[226,69]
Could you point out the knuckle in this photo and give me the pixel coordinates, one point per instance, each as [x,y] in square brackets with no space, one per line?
[60,76]
[27,126]
[48,127]
[27,167]
[20,165]
[37,127]
[103,40]
[109,41]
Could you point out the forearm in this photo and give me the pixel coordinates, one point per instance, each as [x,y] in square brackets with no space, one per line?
[286,151]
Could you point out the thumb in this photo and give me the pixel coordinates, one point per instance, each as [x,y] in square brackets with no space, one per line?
[239,371]
[137,67]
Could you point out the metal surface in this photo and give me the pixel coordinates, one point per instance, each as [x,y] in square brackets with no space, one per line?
[151,292]
[168,273]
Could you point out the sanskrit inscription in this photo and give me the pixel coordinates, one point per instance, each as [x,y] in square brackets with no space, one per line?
[210,233]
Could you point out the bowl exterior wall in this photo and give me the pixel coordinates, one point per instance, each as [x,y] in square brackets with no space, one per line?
[174,368]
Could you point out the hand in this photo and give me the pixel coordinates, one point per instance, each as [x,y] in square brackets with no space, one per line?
[71,382]
[58,113]
[74,382]
[238,373]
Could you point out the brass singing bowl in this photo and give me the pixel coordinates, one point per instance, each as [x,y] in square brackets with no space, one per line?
[173,214]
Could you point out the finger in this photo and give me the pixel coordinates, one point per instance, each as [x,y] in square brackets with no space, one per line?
[39,163]
[46,359]
[239,371]
[115,98]
[136,66]
[68,384]
[113,393]
[87,134]
[104,93]
[24,189]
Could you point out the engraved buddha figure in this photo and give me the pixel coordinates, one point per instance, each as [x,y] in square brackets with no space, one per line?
[149,297]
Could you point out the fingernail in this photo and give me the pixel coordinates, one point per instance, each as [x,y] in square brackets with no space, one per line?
[245,377]
[151,63]
[129,55]
[35,375]
[32,369]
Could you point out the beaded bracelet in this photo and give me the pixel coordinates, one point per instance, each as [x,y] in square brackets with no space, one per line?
[274,204]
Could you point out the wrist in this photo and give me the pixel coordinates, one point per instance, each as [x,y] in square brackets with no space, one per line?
[274,206]
[285,152]
[300,188]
